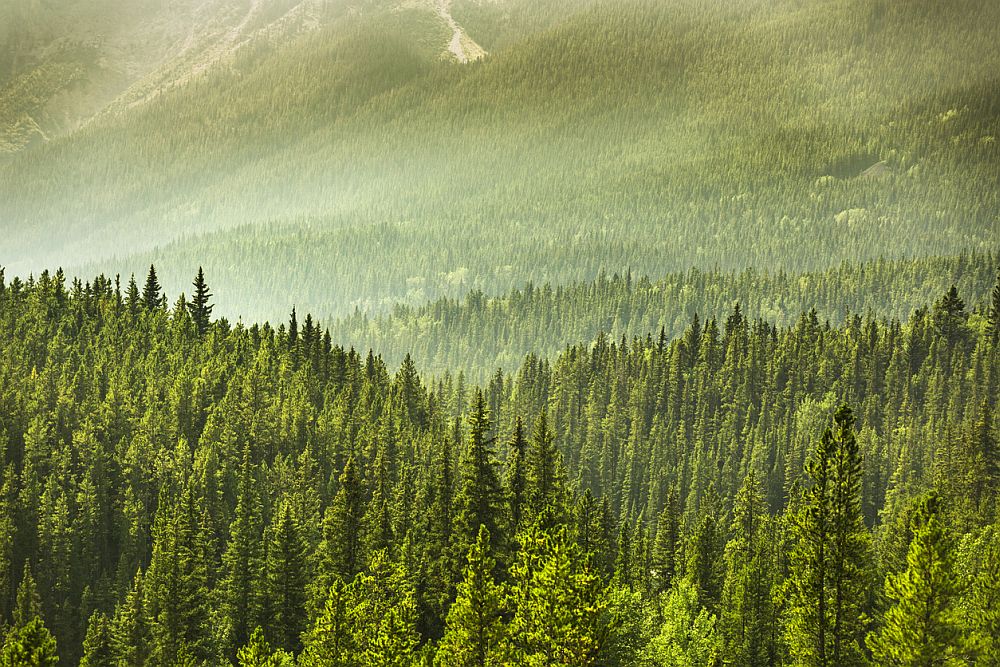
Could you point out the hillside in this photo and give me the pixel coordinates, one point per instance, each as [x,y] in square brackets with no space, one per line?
[593,136]
[477,333]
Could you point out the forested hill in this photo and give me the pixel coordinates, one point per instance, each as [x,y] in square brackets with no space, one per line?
[594,135]
[479,333]
[178,490]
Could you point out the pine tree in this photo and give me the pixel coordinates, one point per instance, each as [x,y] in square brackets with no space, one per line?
[201,310]
[341,552]
[29,645]
[664,556]
[982,600]
[515,479]
[689,635]
[475,634]
[175,584]
[132,299]
[151,297]
[130,633]
[480,496]
[747,610]
[922,626]
[544,480]
[994,311]
[242,563]
[97,646]
[29,602]
[330,642]
[704,568]
[287,578]
[384,615]
[559,603]
[257,653]
[826,587]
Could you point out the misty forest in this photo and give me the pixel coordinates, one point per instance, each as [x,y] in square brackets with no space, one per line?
[489,333]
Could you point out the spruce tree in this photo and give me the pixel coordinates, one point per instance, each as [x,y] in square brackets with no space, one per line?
[559,603]
[922,625]
[475,633]
[151,297]
[664,556]
[257,653]
[544,480]
[341,550]
[133,301]
[330,642]
[97,646]
[480,496]
[994,311]
[384,613]
[829,560]
[287,577]
[747,611]
[242,563]
[200,308]
[515,479]
[130,632]
[29,645]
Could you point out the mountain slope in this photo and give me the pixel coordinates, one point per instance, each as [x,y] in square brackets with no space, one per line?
[642,135]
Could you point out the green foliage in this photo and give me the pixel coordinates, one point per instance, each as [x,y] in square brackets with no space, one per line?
[98,650]
[29,645]
[922,625]
[477,332]
[559,603]
[257,653]
[475,634]
[213,483]
[689,636]
[828,578]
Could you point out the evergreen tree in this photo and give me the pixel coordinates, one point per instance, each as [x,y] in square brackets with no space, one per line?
[330,642]
[747,610]
[200,308]
[29,602]
[385,615]
[982,600]
[132,299]
[664,556]
[480,497]
[544,481]
[475,634]
[130,633]
[241,564]
[922,625]
[689,636]
[287,577]
[341,552]
[257,653]
[151,297]
[829,558]
[97,646]
[515,480]
[559,603]
[704,560]
[994,311]
[29,645]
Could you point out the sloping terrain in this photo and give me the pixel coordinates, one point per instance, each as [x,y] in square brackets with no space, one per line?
[360,165]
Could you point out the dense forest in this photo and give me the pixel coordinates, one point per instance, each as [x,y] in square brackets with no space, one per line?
[477,333]
[178,489]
